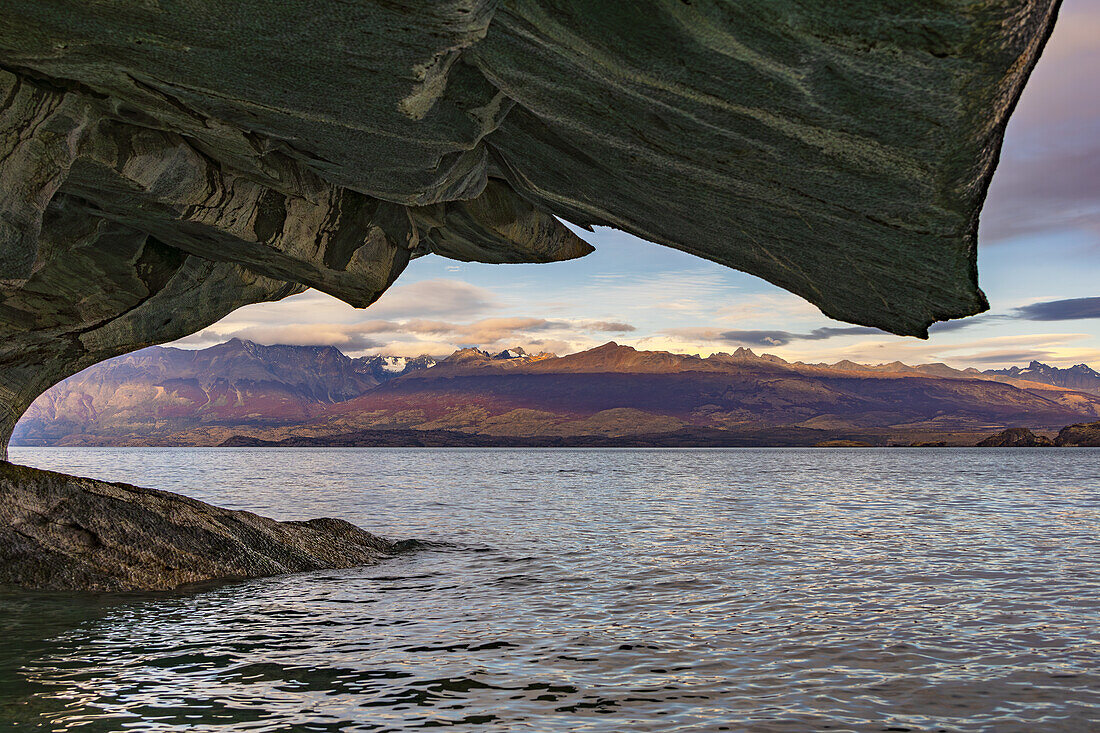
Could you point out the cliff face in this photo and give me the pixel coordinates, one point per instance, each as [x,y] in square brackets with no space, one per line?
[165,163]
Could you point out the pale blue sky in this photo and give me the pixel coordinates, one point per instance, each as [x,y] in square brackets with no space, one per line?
[1040,242]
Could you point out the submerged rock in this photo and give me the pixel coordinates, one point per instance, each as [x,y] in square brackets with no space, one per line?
[60,532]
[1081,435]
[1016,438]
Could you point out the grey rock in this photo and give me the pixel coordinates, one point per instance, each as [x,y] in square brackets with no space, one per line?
[103,290]
[60,532]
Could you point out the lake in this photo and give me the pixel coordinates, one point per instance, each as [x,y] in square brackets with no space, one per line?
[600,590]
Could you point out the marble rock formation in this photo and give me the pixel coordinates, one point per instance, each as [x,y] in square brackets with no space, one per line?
[165,162]
[60,532]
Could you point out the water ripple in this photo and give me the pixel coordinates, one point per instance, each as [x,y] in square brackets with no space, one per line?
[600,590]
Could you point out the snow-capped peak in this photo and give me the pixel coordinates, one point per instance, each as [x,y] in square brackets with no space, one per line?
[394,363]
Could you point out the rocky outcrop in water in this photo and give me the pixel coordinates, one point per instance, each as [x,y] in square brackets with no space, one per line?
[1081,435]
[167,162]
[60,532]
[1016,438]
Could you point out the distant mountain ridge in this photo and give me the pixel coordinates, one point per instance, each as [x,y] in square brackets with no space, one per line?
[164,390]
[165,395]
[1081,377]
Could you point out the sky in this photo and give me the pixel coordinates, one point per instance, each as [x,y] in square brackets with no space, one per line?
[1039,247]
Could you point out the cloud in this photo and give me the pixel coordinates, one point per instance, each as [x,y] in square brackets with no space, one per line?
[414,336]
[487,331]
[782,338]
[340,336]
[1052,348]
[1075,308]
[1048,176]
[1070,309]
[687,292]
[1008,357]
[438,297]
[829,332]
[755,338]
[961,323]
[345,336]
[813,346]
[768,308]
[609,326]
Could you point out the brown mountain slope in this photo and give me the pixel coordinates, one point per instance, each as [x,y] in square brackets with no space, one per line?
[160,391]
[617,390]
[277,393]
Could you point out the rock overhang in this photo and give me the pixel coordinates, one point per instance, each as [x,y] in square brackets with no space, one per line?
[169,161]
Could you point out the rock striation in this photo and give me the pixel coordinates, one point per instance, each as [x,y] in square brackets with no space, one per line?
[167,162]
[60,532]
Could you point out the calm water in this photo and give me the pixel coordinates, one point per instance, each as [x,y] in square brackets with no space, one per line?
[601,590]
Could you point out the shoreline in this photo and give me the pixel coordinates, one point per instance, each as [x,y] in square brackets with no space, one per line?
[1081,434]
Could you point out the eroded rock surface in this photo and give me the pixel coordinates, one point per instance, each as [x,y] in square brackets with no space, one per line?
[167,162]
[60,532]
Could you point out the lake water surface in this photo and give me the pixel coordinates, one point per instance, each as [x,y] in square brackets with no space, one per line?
[600,590]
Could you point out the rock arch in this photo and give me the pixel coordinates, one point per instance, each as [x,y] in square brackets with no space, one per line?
[165,163]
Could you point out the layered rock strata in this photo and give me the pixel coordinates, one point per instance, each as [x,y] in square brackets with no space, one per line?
[60,532]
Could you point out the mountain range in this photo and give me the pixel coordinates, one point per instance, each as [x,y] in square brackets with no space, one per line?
[1080,377]
[241,391]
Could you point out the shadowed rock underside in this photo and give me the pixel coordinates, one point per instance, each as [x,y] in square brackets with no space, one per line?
[167,162]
